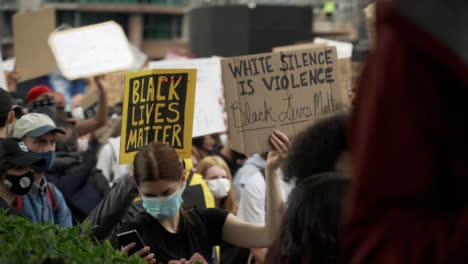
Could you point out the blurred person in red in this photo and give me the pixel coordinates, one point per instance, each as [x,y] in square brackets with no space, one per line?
[408,200]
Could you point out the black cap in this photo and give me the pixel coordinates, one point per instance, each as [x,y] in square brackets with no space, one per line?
[13,150]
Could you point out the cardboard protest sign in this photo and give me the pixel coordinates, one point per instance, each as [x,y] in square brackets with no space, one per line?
[344,50]
[208,117]
[158,106]
[91,50]
[284,91]
[115,86]
[30,33]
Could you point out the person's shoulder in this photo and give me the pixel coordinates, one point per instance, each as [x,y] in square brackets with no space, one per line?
[256,183]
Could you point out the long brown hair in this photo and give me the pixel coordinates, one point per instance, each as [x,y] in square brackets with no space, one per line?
[228,203]
[157,161]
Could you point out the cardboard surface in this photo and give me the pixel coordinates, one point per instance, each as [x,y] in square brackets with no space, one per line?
[31,32]
[346,72]
[91,50]
[284,91]
[208,117]
[115,89]
[158,107]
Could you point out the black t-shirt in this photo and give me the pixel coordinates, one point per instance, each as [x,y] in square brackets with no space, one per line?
[199,235]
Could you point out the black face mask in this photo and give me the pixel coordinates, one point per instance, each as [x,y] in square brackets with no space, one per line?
[19,184]
[46,106]
[68,144]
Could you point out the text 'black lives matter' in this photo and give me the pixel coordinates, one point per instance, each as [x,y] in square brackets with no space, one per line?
[156,110]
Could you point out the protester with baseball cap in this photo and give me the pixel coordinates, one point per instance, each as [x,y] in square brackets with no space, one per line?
[16,175]
[44,203]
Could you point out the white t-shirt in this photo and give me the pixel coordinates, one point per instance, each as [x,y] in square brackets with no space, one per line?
[252,203]
[252,166]
[108,161]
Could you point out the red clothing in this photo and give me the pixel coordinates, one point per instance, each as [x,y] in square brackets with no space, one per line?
[409,139]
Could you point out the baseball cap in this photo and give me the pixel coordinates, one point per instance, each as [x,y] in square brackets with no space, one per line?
[37,91]
[13,150]
[34,125]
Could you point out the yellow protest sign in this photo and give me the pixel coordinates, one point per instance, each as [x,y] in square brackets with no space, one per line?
[158,107]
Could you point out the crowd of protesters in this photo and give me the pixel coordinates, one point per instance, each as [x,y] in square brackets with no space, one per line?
[382,184]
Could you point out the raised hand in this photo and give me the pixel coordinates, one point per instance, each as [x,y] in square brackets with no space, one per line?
[281,144]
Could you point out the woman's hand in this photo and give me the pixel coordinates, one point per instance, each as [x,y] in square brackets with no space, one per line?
[148,258]
[280,143]
[195,259]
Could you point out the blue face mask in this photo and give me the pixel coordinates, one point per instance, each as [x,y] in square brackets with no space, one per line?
[49,156]
[163,207]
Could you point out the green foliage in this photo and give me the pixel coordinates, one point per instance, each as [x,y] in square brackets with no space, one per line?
[25,242]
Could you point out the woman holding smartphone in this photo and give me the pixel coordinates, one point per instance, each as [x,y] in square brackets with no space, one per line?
[173,233]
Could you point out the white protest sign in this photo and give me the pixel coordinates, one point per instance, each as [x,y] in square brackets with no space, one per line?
[3,83]
[91,50]
[140,58]
[344,49]
[9,65]
[208,117]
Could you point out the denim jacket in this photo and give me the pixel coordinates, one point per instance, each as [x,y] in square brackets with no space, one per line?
[36,206]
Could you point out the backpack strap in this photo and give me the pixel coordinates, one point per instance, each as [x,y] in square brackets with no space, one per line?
[19,204]
[52,197]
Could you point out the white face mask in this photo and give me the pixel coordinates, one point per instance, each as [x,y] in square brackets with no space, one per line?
[219,187]
[83,144]
[223,138]
[78,113]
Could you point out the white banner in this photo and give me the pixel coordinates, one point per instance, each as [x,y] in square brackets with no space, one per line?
[208,117]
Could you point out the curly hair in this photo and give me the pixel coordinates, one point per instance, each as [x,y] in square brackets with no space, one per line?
[316,149]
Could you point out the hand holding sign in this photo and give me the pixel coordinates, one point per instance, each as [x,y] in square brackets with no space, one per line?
[280,143]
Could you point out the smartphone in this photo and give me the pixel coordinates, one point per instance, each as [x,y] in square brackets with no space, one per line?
[129,237]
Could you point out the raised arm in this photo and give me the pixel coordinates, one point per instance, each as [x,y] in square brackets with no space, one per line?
[243,234]
[87,126]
